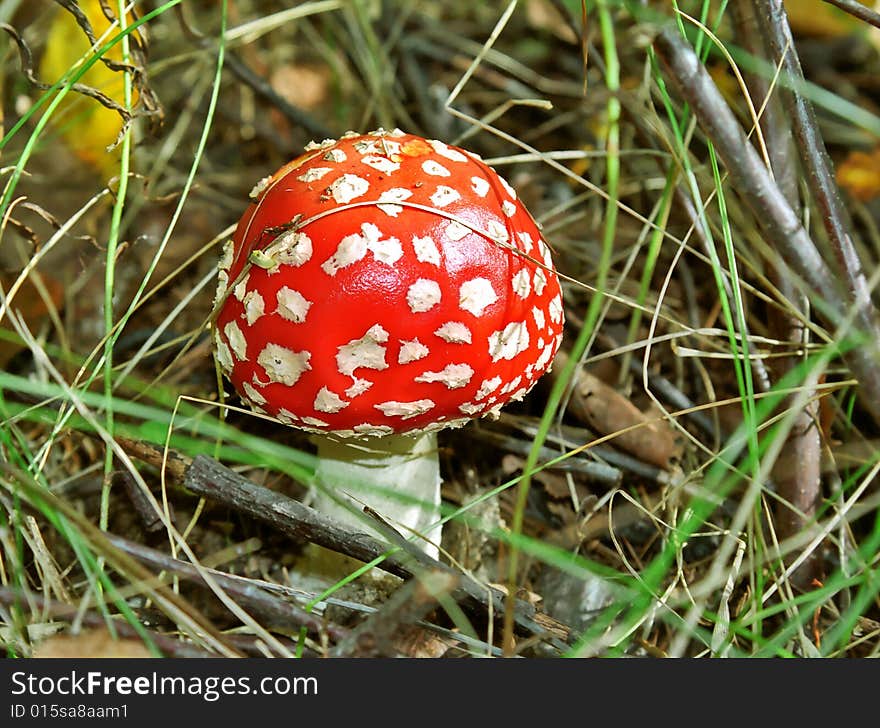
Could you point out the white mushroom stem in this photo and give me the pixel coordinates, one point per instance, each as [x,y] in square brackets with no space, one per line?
[397,476]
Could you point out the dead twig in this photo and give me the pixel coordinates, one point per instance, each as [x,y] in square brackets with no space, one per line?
[598,472]
[780,223]
[171,461]
[857,10]
[277,613]
[815,160]
[798,484]
[263,88]
[142,506]
[208,478]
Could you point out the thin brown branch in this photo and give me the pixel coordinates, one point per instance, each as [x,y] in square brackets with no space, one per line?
[815,159]
[150,520]
[264,89]
[799,483]
[212,480]
[277,613]
[857,10]
[773,213]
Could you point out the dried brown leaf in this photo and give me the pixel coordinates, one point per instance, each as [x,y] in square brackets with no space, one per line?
[90,643]
[607,412]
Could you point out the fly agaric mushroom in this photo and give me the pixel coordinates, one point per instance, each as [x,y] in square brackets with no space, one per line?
[379,288]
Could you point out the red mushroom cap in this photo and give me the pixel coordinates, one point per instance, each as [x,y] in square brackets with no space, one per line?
[385,283]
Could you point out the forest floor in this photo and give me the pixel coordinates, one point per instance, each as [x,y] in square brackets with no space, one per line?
[696,477]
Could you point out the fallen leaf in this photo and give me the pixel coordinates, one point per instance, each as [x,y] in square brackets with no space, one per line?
[86,126]
[859,174]
[543,15]
[607,412]
[30,305]
[302,85]
[416,642]
[90,643]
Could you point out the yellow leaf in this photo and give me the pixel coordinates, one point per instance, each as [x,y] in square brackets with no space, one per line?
[859,174]
[86,126]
